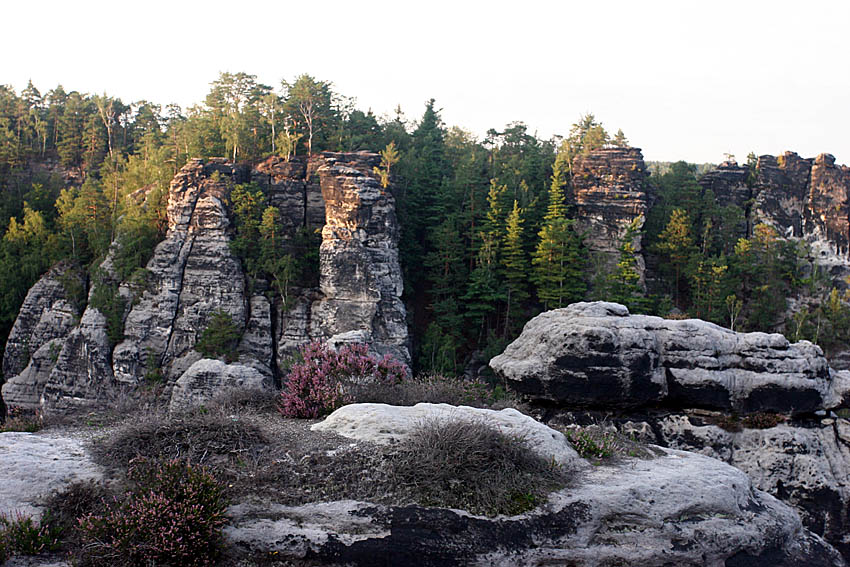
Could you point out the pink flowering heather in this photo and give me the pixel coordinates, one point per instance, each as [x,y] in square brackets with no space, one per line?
[317,385]
[175,518]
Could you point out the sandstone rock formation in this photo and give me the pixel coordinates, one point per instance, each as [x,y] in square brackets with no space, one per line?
[206,379]
[674,383]
[360,277]
[678,508]
[597,355]
[47,315]
[34,465]
[385,424]
[193,274]
[607,193]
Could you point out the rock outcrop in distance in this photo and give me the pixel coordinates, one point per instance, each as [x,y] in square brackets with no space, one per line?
[56,360]
[750,399]
[607,194]
[802,198]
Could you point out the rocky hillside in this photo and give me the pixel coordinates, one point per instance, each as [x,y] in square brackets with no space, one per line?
[58,355]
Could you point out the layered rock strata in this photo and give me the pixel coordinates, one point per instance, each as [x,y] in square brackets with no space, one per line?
[597,355]
[750,399]
[46,317]
[677,508]
[607,193]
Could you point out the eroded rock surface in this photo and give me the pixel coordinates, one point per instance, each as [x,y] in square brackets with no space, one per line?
[677,509]
[46,317]
[608,193]
[193,274]
[34,465]
[673,383]
[597,355]
[207,378]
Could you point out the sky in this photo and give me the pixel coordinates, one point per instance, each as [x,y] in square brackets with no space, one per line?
[683,79]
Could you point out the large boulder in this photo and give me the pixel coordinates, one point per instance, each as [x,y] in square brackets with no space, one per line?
[386,424]
[596,355]
[208,378]
[803,463]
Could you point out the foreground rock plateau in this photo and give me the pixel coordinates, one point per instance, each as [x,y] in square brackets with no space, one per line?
[750,399]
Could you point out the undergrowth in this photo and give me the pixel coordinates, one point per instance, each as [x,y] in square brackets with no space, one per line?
[173,517]
[473,466]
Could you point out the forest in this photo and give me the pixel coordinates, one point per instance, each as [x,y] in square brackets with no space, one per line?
[487,219]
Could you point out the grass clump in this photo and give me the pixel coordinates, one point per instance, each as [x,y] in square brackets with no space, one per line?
[22,420]
[762,420]
[473,466]
[208,437]
[598,443]
[174,517]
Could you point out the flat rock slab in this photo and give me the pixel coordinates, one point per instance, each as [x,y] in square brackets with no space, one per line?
[385,424]
[677,509]
[36,464]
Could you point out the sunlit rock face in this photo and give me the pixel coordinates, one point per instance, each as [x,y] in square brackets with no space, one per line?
[608,192]
[60,357]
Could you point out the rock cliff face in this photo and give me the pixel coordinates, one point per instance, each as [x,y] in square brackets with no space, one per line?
[807,199]
[193,274]
[608,193]
[675,383]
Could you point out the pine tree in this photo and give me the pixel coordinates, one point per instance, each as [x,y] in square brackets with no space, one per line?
[515,267]
[676,244]
[559,260]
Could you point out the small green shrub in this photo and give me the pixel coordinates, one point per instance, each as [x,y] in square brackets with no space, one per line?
[24,536]
[220,338]
[153,370]
[106,299]
[174,517]
[473,466]
[22,419]
[592,444]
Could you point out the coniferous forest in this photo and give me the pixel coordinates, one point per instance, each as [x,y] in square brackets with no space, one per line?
[487,237]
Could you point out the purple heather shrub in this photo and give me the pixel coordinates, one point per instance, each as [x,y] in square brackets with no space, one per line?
[319,384]
[174,518]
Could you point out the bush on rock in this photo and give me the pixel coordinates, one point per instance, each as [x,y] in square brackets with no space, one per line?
[175,517]
[322,382]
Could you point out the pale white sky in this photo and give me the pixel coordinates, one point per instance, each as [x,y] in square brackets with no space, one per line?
[683,79]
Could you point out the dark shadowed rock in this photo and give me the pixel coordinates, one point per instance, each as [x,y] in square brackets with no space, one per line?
[597,355]
[47,315]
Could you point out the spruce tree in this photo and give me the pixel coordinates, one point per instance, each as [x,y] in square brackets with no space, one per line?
[515,266]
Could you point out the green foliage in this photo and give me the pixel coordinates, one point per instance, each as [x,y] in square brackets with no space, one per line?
[220,338]
[24,536]
[106,298]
